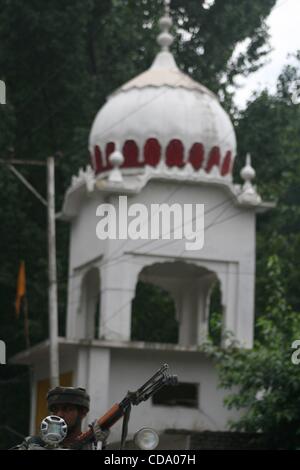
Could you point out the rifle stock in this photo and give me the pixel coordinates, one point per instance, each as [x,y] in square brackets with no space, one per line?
[105,422]
[158,380]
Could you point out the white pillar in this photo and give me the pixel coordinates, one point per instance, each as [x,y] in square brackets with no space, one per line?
[187,328]
[202,317]
[229,289]
[75,317]
[118,283]
[98,382]
[93,374]
[245,304]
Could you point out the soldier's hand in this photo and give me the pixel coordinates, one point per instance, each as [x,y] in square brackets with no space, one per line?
[99,434]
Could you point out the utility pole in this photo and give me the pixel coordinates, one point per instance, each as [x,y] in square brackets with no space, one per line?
[53,311]
[52,285]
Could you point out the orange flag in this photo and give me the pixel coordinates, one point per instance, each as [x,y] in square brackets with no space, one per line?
[21,287]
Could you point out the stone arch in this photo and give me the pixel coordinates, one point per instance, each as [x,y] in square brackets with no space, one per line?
[189,285]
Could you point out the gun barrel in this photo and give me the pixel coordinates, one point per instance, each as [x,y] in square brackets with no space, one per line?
[153,387]
[161,372]
[173,380]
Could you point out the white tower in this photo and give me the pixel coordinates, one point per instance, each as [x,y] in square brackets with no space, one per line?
[161,139]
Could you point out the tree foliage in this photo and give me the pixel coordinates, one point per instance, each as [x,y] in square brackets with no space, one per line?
[214,33]
[269,129]
[60,60]
[263,382]
[153,315]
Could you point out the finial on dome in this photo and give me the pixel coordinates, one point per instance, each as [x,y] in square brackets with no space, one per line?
[165,38]
[116,159]
[248,194]
[248,172]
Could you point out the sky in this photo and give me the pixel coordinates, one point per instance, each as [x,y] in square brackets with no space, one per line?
[284,24]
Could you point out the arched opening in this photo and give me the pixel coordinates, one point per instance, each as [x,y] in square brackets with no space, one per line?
[172,303]
[153,315]
[215,316]
[89,313]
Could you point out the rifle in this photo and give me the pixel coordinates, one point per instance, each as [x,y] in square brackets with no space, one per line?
[161,378]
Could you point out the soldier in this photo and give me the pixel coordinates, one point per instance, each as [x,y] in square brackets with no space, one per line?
[72,404]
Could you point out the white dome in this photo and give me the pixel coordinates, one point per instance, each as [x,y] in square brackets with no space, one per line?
[165,105]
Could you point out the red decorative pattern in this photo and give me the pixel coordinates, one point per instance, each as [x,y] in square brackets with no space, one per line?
[214,159]
[131,154]
[196,156]
[152,152]
[152,155]
[97,160]
[226,165]
[174,154]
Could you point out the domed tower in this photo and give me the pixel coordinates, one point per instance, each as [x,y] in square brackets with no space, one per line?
[162,138]
[163,117]
[158,205]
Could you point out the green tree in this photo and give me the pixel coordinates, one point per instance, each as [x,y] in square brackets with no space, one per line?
[267,380]
[60,60]
[263,382]
[215,29]
[269,129]
[153,315]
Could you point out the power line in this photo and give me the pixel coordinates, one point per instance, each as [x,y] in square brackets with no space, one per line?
[127,303]
[112,260]
[110,263]
[149,242]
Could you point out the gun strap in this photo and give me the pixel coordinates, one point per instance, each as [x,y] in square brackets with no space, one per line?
[125,426]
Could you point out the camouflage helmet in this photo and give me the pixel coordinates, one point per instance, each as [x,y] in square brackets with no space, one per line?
[68,396]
